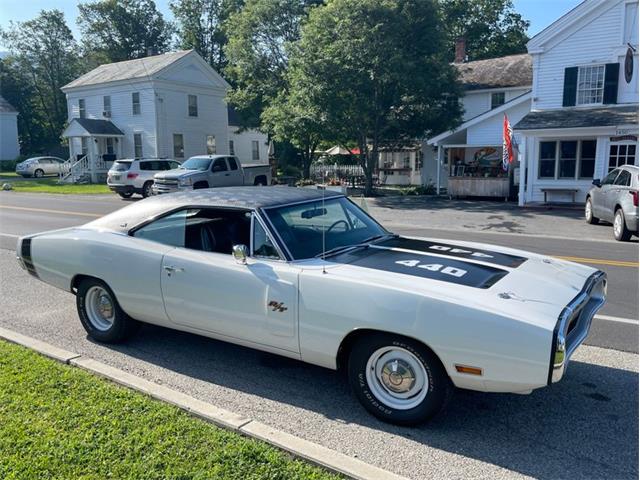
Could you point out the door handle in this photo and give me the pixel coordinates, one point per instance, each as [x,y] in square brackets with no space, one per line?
[171,269]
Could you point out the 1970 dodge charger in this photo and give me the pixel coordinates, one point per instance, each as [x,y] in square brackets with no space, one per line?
[311,276]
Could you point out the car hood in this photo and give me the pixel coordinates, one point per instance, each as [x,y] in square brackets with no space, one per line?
[176,173]
[510,282]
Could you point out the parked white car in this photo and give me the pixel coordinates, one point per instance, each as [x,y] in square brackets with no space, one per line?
[311,276]
[129,176]
[39,166]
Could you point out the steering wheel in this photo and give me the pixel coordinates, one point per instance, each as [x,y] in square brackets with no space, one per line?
[336,223]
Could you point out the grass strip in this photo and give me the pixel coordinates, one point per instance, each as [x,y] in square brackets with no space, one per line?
[51,185]
[58,421]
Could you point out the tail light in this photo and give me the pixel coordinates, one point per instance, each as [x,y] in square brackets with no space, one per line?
[635,197]
[131,176]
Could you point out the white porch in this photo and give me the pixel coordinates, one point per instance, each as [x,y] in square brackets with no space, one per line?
[93,146]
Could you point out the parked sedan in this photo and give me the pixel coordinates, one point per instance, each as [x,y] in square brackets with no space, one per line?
[313,277]
[129,176]
[40,166]
[615,200]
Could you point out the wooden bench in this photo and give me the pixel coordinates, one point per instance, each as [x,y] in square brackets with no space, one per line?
[572,191]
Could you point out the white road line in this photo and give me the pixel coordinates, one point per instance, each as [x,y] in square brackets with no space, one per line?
[616,319]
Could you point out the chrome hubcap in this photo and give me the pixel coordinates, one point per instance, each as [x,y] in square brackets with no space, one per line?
[397,378]
[617,224]
[587,211]
[99,308]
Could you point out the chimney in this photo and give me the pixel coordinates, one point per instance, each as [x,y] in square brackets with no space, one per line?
[461,50]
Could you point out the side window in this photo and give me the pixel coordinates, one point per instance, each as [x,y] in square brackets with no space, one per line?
[219,165]
[262,245]
[624,179]
[173,165]
[232,163]
[145,165]
[608,180]
[169,230]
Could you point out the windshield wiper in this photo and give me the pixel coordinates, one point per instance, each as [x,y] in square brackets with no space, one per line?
[364,244]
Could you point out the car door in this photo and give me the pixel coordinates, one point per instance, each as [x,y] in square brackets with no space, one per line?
[211,292]
[620,188]
[600,197]
[220,173]
[236,174]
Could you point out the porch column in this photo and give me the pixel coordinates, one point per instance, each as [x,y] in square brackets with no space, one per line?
[93,154]
[522,158]
[438,168]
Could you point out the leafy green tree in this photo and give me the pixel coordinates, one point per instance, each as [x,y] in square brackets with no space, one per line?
[117,30]
[492,28]
[43,58]
[257,52]
[200,27]
[376,71]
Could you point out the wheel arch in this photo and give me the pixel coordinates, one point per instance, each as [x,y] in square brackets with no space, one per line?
[78,278]
[260,178]
[201,184]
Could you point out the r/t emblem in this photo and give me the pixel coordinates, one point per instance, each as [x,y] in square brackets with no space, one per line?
[277,306]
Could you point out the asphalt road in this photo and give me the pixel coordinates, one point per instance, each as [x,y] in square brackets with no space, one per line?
[583,427]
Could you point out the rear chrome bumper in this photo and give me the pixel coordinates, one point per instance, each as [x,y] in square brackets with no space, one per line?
[574,323]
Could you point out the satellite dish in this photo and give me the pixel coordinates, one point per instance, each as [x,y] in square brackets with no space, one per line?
[628,65]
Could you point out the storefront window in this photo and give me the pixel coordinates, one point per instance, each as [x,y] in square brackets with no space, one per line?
[568,157]
[621,154]
[547,160]
[587,158]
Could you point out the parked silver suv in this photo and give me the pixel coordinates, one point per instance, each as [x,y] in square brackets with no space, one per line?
[615,200]
[39,166]
[129,176]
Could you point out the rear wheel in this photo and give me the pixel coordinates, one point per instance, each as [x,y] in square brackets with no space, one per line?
[260,182]
[398,379]
[38,173]
[588,213]
[147,189]
[620,230]
[125,194]
[100,313]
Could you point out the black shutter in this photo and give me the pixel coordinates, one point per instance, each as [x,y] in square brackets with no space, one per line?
[570,86]
[611,74]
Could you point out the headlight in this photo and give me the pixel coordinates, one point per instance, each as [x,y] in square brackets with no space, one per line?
[185,182]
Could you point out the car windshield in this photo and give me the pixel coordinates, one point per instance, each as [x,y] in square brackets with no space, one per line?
[195,163]
[121,166]
[344,224]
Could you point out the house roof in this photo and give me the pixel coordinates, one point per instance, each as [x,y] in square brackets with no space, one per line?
[525,97]
[501,72]
[579,117]
[6,107]
[127,70]
[96,127]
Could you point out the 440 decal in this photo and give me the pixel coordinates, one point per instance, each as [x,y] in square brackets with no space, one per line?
[434,267]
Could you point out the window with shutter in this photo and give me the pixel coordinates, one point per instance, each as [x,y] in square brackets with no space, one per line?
[611,75]
[570,85]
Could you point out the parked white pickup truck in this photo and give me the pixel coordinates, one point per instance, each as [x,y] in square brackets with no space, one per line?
[207,171]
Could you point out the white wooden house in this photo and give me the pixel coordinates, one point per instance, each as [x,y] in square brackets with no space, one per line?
[9,147]
[584,106]
[169,105]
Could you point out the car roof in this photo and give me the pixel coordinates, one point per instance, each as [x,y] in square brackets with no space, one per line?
[250,198]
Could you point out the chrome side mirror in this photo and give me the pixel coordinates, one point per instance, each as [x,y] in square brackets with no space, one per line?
[240,254]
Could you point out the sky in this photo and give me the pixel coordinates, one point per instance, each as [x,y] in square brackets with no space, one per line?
[540,13]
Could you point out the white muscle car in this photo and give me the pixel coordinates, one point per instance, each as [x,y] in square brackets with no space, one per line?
[311,276]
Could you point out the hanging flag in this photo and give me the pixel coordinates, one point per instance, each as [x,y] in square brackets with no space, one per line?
[507,146]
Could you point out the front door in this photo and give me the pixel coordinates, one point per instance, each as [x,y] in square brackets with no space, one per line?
[211,292]
[221,174]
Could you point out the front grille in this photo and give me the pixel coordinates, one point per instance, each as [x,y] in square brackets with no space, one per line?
[165,181]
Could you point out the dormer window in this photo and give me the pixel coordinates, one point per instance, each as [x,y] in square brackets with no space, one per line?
[590,85]
[497,99]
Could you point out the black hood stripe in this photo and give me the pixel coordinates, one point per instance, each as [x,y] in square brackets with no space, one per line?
[25,254]
[430,267]
[456,251]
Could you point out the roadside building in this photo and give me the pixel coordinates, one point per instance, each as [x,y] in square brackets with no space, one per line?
[467,160]
[9,146]
[170,105]
[584,102]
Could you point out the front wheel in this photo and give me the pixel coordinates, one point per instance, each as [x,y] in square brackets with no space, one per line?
[620,230]
[398,379]
[38,173]
[588,213]
[147,189]
[100,313]
[125,194]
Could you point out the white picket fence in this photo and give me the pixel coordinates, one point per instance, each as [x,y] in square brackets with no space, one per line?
[320,171]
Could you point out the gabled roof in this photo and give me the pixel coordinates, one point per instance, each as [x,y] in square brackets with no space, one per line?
[567,21]
[501,72]
[6,107]
[525,97]
[93,127]
[579,117]
[128,70]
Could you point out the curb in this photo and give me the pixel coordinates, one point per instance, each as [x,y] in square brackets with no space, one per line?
[312,452]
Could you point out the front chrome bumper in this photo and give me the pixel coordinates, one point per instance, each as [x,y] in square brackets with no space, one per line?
[574,323]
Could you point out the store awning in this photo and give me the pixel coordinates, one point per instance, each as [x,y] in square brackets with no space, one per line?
[90,127]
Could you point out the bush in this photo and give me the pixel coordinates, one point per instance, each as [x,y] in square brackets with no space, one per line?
[8,165]
[305,182]
[428,189]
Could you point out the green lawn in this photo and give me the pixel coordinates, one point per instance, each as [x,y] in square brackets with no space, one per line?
[50,185]
[58,421]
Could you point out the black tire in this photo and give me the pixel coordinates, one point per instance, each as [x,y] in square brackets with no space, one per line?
[588,213]
[38,173]
[438,385]
[146,189]
[260,182]
[620,230]
[125,194]
[122,327]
